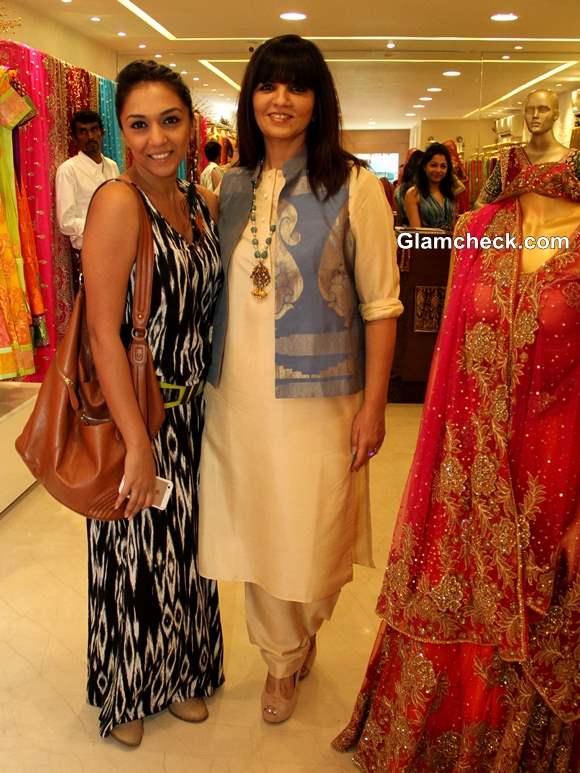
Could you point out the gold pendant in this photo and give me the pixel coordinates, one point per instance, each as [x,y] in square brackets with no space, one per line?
[261,278]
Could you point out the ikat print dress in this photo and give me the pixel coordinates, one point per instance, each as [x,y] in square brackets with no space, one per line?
[154,625]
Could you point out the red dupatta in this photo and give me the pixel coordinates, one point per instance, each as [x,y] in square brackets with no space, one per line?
[495,478]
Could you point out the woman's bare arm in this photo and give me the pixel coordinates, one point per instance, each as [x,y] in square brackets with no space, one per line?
[412,207]
[109,249]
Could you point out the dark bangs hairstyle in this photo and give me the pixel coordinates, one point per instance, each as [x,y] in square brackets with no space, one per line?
[446,184]
[291,59]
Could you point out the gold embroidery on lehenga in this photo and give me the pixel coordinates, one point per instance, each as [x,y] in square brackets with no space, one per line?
[481,345]
[571,293]
[448,594]
[525,329]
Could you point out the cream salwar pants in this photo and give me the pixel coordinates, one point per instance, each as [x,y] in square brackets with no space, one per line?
[282,629]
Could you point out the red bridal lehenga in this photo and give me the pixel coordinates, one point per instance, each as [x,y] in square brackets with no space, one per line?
[476,666]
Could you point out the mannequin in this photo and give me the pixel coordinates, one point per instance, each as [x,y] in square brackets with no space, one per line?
[541,112]
[541,215]
[472,666]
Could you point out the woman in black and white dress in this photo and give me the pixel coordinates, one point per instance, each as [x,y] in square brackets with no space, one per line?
[155,637]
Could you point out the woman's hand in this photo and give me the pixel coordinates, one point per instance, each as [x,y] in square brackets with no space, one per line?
[139,482]
[570,549]
[367,434]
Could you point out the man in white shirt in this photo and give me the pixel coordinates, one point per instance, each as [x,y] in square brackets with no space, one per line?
[211,176]
[78,178]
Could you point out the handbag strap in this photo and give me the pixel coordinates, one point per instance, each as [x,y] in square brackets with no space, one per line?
[141,305]
[139,353]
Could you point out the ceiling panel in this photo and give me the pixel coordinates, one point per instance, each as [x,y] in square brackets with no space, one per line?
[382,90]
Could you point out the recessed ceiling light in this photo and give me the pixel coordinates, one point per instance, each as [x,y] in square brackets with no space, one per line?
[506,56]
[390,44]
[95,18]
[434,89]
[142,45]
[425,99]
[172,64]
[504,17]
[451,73]
[419,107]
[293,16]
[183,72]
[67,1]
[518,48]
[122,34]
[205,84]
[195,78]
[410,115]
[158,56]
[214,89]
[558,85]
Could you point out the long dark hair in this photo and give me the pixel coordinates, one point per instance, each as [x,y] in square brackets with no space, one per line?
[291,59]
[446,184]
[410,170]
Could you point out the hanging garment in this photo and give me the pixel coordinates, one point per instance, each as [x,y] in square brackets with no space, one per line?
[31,270]
[476,663]
[113,145]
[16,348]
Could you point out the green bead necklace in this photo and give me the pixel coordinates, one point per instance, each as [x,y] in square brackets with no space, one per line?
[260,276]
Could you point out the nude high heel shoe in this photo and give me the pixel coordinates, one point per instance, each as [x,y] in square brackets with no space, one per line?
[275,707]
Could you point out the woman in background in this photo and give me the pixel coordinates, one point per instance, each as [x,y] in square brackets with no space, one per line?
[430,202]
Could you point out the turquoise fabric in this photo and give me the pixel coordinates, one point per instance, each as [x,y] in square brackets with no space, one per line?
[182,170]
[433,215]
[113,146]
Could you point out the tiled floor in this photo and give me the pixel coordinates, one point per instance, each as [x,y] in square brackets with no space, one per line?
[45,723]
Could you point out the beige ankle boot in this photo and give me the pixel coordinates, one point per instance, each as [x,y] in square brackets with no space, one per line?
[190,710]
[129,733]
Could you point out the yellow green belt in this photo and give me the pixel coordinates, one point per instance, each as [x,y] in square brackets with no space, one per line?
[184,393]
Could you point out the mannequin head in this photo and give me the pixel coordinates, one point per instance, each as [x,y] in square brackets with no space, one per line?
[541,111]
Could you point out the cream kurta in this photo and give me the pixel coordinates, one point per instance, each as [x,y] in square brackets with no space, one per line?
[279,505]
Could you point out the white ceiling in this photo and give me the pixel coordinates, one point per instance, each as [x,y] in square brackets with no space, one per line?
[374,83]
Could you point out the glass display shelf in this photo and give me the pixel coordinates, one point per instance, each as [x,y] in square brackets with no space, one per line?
[16,403]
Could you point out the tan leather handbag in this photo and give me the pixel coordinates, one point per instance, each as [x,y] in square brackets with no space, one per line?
[70,442]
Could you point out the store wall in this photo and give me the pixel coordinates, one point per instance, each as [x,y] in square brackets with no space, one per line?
[475,133]
[62,42]
[565,123]
[377,141]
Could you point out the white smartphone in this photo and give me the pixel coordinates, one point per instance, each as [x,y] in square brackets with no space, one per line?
[163,489]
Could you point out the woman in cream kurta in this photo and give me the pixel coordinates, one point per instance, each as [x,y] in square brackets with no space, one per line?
[284,502]
[292,521]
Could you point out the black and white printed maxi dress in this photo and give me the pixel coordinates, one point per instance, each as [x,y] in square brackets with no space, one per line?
[154,624]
